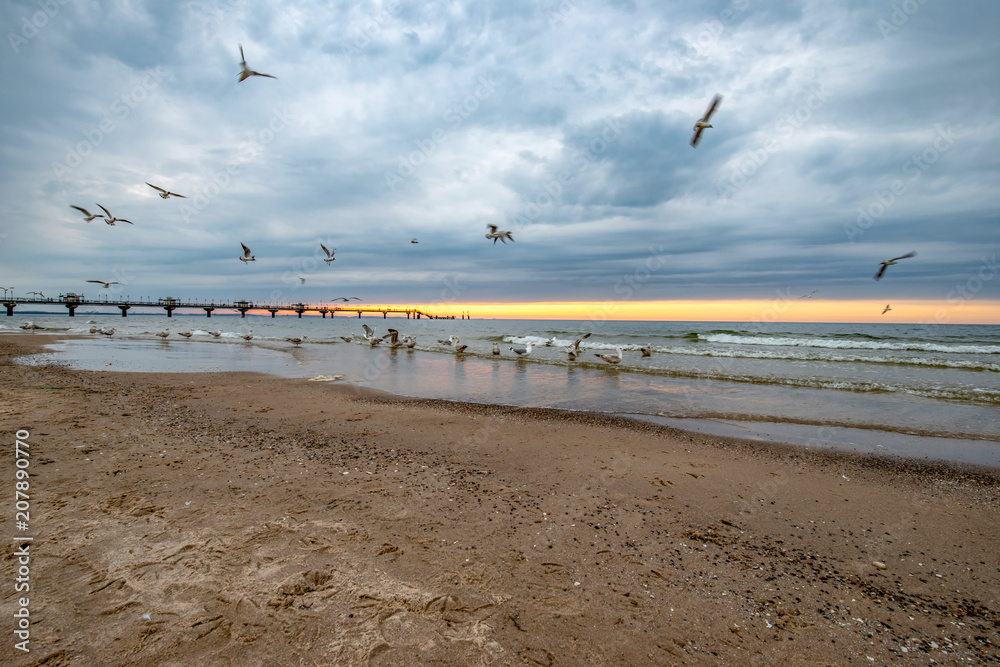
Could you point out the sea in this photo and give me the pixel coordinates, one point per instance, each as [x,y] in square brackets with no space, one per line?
[917,391]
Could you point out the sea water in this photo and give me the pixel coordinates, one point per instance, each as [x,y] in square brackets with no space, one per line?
[929,391]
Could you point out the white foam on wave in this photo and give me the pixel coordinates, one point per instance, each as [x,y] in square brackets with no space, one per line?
[913,346]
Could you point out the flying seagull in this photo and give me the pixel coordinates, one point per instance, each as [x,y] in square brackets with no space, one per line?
[40,295]
[611,358]
[164,194]
[101,282]
[702,123]
[522,350]
[329,255]
[247,255]
[111,220]
[345,299]
[88,216]
[500,235]
[887,309]
[808,296]
[246,73]
[574,348]
[414,240]
[889,262]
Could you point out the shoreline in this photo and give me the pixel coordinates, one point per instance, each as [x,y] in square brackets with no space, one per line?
[908,443]
[260,519]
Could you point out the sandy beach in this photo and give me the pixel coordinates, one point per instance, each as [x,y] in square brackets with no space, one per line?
[234,518]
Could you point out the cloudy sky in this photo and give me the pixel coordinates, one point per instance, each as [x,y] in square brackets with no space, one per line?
[848,133]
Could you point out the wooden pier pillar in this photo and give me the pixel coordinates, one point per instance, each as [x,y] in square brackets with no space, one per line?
[273,311]
[323,313]
[208,310]
[10,308]
[243,312]
[170,310]
[359,314]
[124,308]
[72,310]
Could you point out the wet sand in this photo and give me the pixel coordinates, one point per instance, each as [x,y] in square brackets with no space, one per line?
[240,518]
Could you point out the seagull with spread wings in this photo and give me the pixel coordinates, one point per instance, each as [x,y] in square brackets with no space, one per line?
[703,123]
[498,235]
[87,215]
[247,254]
[889,262]
[329,253]
[111,220]
[246,72]
[106,285]
[164,194]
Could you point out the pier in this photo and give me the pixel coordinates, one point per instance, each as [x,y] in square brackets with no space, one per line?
[71,301]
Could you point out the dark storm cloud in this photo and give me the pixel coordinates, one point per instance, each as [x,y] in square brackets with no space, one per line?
[847,134]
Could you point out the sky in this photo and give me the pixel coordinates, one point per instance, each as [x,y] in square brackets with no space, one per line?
[849,133]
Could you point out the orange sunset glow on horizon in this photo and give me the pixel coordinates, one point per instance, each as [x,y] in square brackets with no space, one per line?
[794,310]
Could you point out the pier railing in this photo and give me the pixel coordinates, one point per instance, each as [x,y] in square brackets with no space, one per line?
[72,301]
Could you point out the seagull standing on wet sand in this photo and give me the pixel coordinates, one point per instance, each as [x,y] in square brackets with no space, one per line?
[522,350]
[500,235]
[215,334]
[88,216]
[612,358]
[457,345]
[247,255]
[111,220]
[164,194]
[186,334]
[164,334]
[889,262]
[702,123]
[246,72]
[296,341]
